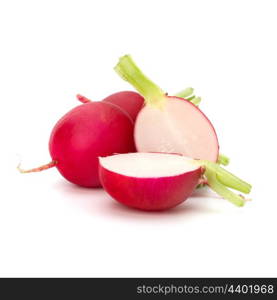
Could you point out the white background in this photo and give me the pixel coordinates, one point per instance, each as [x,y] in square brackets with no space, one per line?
[51,50]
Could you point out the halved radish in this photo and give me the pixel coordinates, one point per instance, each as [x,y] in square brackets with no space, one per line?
[166,124]
[179,127]
[159,181]
[149,181]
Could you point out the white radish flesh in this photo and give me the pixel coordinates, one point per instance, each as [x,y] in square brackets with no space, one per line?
[148,164]
[179,127]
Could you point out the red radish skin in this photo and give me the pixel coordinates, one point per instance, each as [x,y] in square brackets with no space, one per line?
[82,135]
[150,193]
[85,133]
[130,102]
[168,124]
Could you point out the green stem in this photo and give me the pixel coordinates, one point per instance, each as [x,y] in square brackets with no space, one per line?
[219,179]
[185,93]
[223,160]
[196,100]
[129,71]
[221,190]
[190,98]
[188,95]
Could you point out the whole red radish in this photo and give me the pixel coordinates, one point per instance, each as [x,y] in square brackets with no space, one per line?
[130,102]
[160,181]
[85,133]
[167,123]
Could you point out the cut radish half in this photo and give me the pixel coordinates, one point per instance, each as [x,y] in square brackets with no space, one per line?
[168,124]
[149,181]
[179,127]
[159,181]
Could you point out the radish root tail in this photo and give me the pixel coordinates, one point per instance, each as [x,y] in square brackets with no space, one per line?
[52,164]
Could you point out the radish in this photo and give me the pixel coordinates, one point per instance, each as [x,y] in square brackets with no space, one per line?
[166,124]
[159,181]
[82,135]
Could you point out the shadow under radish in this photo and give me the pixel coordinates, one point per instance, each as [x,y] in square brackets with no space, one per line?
[95,201]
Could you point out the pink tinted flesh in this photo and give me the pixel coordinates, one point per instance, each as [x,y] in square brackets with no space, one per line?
[130,102]
[179,128]
[86,132]
[151,194]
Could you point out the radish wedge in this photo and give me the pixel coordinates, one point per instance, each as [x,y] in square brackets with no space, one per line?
[149,181]
[159,181]
[166,124]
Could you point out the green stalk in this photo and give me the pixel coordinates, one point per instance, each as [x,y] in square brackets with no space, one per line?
[188,95]
[185,93]
[228,178]
[196,100]
[190,98]
[129,71]
[223,160]
[219,179]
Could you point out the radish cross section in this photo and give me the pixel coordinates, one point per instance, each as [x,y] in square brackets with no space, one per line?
[168,124]
[179,127]
[158,181]
[148,164]
[149,181]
